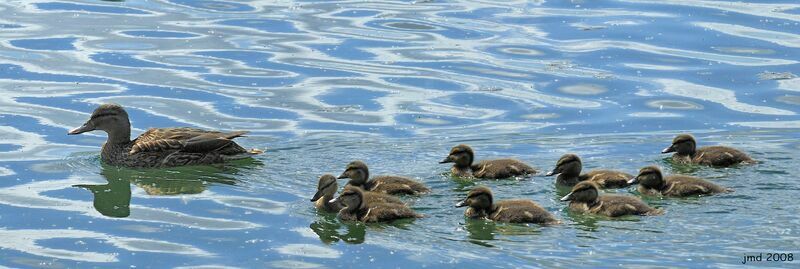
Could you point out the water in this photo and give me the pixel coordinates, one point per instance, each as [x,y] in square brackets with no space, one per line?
[396,84]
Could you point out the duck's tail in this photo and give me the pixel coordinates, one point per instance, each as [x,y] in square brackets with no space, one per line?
[234,134]
[243,155]
[655,212]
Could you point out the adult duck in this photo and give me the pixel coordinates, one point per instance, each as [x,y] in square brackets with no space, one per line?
[160,147]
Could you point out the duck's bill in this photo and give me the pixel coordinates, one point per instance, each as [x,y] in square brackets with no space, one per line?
[447,160]
[551,173]
[567,197]
[343,175]
[461,204]
[87,127]
[633,180]
[668,149]
[316,196]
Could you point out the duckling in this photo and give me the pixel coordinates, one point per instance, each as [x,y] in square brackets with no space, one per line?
[568,168]
[585,198]
[160,147]
[356,208]
[652,182]
[358,173]
[462,157]
[685,150]
[481,205]
[326,189]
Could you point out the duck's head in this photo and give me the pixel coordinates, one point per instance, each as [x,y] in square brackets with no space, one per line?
[583,192]
[479,198]
[110,118]
[683,144]
[351,198]
[326,187]
[357,172]
[649,177]
[569,164]
[461,155]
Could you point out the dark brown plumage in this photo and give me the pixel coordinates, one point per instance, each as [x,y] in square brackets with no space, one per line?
[568,168]
[160,147]
[585,198]
[356,208]
[326,189]
[358,173]
[652,182]
[481,205]
[462,158]
[686,152]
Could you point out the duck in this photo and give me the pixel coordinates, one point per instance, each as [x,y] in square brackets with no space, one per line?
[652,182]
[463,157]
[160,147]
[568,168]
[326,189]
[481,205]
[356,208]
[686,152]
[585,198]
[358,173]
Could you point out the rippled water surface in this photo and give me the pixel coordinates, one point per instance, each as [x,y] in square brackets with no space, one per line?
[396,84]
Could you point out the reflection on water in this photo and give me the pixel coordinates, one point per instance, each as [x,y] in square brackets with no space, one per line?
[113,199]
[396,84]
[330,230]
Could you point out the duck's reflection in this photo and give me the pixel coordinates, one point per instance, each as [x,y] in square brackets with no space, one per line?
[329,230]
[113,199]
[480,229]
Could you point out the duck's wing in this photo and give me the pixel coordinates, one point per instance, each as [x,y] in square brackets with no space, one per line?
[521,211]
[501,168]
[607,178]
[720,156]
[185,133]
[185,139]
[397,185]
[688,186]
[618,205]
[388,212]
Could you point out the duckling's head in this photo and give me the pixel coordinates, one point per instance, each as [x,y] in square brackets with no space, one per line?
[583,192]
[326,187]
[357,172]
[479,198]
[461,155]
[649,177]
[110,118]
[569,164]
[351,198]
[683,144]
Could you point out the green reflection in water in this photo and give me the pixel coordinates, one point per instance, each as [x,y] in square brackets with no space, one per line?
[113,199]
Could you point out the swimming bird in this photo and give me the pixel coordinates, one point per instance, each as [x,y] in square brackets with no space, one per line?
[652,182]
[568,168]
[686,152]
[160,147]
[463,157]
[326,189]
[585,198]
[481,205]
[356,208]
[358,173]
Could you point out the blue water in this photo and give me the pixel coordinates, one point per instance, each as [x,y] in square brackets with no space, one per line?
[396,84]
